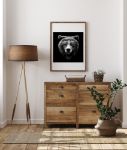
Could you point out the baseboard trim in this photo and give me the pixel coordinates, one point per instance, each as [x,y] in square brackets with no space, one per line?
[24,121]
[3,124]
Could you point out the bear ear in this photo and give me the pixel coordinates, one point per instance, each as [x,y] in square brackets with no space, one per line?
[76,37]
[60,36]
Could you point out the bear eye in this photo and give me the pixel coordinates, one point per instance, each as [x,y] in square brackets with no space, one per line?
[64,43]
[73,44]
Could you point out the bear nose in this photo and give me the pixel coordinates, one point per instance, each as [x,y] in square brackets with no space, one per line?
[68,49]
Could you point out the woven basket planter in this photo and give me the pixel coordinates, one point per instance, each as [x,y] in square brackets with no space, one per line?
[106,127]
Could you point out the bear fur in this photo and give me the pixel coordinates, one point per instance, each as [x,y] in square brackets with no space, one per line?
[68,46]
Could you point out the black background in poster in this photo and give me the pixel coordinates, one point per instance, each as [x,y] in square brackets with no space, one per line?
[58,57]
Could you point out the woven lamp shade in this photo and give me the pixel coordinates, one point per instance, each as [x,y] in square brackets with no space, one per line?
[23,53]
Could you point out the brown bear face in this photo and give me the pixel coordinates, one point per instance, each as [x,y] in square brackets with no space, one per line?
[68,46]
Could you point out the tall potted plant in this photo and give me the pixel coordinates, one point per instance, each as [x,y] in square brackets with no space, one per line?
[106,124]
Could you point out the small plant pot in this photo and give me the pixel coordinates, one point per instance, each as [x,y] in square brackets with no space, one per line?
[98,78]
[106,127]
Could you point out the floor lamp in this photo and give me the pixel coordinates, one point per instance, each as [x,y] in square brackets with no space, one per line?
[22,53]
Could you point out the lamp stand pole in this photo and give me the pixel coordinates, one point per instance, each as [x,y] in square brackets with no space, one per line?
[28,115]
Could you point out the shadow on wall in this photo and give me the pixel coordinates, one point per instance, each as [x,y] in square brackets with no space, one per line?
[118,102]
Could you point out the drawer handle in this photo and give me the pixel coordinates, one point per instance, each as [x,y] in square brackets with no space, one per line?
[94,111]
[61,111]
[61,95]
[62,87]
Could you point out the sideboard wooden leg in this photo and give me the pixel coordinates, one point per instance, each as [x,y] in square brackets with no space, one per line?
[77,126]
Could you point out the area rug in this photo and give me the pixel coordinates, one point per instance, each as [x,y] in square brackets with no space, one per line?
[71,136]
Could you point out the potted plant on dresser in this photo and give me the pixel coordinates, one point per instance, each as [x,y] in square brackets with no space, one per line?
[106,125]
[99,75]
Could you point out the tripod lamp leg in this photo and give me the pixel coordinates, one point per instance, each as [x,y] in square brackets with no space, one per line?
[13,112]
[28,115]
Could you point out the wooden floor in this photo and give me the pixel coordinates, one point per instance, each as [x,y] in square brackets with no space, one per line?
[22,128]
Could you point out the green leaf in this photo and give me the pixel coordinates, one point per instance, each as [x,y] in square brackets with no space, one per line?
[105,111]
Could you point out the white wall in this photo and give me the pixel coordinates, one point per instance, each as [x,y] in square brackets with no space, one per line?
[28,22]
[124,124]
[2,70]
[1,61]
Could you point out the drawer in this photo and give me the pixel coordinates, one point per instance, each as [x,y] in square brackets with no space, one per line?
[85,98]
[88,115]
[61,86]
[58,94]
[98,87]
[61,114]
[61,102]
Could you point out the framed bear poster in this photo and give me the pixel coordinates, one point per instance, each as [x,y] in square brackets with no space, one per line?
[67,46]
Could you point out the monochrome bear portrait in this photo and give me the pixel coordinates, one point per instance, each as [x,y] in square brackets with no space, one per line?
[68,46]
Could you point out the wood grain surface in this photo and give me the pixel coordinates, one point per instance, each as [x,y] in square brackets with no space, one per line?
[71,102]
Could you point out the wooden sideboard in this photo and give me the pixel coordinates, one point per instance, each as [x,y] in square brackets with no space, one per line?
[71,102]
